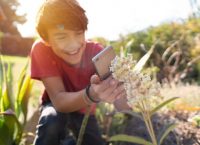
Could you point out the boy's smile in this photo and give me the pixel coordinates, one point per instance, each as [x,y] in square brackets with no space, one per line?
[67,44]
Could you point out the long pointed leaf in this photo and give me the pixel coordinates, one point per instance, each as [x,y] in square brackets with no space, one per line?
[132,139]
[23,97]
[22,77]
[11,122]
[9,78]
[1,77]
[162,105]
[128,46]
[9,85]
[5,137]
[20,83]
[166,132]
[139,66]
[5,101]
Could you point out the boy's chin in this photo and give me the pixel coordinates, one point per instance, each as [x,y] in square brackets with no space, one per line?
[74,62]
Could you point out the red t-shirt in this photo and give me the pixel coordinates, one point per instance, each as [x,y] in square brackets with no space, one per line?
[44,63]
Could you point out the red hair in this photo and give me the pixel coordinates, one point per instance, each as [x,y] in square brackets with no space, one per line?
[60,12]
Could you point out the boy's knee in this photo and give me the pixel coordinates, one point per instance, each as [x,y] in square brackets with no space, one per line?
[50,120]
[51,127]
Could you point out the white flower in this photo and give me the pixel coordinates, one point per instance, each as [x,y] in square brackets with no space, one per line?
[139,86]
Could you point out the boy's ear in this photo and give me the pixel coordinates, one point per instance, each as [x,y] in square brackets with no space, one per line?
[46,43]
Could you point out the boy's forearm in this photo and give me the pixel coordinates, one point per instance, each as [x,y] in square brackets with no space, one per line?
[69,101]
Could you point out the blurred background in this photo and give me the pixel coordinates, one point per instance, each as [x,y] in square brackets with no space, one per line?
[170,27]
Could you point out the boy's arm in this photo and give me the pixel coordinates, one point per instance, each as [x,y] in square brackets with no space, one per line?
[106,91]
[120,103]
[63,101]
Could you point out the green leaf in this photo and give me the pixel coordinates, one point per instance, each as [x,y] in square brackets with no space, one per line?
[20,93]
[162,105]
[5,101]
[9,85]
[5,136]
[134,114]
[128,46]
[22,77]
[5,86]
[165,132]
[23,97]
[132,139]
[139,66]
[11,124]
[1,77]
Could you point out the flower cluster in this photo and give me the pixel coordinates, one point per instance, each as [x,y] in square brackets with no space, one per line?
[140,88]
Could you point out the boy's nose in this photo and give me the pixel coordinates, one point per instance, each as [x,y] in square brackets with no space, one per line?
[71,48]
[74,44]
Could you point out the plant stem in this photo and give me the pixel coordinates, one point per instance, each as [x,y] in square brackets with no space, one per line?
[148,116]
[154,140]
[147,125]
[144,114]
[83,126]
[147,120]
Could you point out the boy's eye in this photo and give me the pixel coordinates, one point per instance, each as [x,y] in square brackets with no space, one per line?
[60,38]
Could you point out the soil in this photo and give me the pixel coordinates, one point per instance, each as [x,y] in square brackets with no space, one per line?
[185,132]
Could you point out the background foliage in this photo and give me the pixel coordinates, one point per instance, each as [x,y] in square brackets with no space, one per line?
[9,7]
[177,49]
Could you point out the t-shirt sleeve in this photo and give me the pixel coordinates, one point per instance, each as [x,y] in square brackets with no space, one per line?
[43,62]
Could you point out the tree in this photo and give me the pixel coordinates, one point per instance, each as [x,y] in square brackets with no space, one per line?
[9,7]
[195,7]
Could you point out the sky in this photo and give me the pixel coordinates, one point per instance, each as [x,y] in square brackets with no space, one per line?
[111,18]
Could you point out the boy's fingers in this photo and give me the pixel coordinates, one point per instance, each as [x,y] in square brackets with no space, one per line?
[121,95]
[94,79]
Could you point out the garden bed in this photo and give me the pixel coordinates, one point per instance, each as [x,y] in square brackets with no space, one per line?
[186,132]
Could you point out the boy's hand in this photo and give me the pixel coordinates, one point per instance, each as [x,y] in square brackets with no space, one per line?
[107,90]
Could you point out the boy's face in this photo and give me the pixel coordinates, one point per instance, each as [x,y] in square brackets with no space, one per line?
[67,44]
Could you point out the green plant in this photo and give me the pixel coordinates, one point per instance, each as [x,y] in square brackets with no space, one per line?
[109,121]
[177,53]
[13,110]
[136,83]
[195,120]
[83,126]
[142,95]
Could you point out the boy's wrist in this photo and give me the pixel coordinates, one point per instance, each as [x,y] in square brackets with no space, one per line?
[86,99]
[90,97]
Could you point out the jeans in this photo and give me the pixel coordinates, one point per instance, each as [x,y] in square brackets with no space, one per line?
[53,127]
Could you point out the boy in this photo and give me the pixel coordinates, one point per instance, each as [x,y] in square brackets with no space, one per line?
[62,61]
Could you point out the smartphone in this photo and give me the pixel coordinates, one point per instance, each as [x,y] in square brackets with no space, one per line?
[102,62]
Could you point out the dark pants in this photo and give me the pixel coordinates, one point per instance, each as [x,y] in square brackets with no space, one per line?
[53,127]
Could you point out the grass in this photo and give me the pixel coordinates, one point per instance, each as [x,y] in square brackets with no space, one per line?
[189,96]
[17,64]
[15,59]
